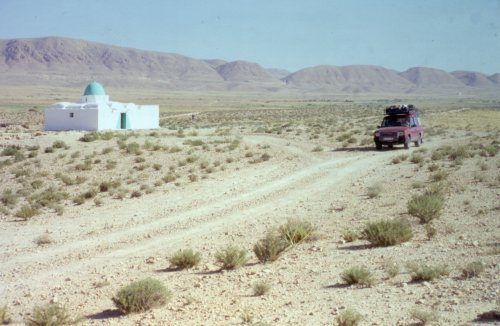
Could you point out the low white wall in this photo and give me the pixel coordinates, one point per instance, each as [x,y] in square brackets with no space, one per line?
[60,119]
[144,117]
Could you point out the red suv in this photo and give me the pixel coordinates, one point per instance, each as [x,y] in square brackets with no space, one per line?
[401,125]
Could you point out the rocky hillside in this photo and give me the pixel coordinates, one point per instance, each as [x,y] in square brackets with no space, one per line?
[55,61]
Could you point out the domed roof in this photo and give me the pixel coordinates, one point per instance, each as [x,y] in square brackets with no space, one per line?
[94,88]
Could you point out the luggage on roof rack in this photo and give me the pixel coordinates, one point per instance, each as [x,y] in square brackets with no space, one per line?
[400,109]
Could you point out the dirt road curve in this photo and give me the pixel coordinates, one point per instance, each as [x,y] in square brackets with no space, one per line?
[133,228]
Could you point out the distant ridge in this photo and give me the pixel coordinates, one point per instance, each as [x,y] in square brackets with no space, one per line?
[472,78]
[56,61]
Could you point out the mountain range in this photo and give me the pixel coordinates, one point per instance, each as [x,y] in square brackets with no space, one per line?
[56,61]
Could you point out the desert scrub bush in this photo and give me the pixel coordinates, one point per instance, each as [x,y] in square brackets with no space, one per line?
[231,257]
[439,175]
[387,232]
[391,268]
[109,185]
[296,231]
[396,160]
[430,231]
[49,149]
[10,151]
[233,145]
[417,159]
[194,142]
[425,317]
[192,158]
[317,149]
[135,194]
[85,166]
[43,239]
[423,272]
[246,316]
[141,296]
[50,315]
[349,317]
[427,206]
[358,275]
[60,144]
[4,316]
[261,288]
[26,212]
[169,178]
[473,269]
[185,259]
[133,148]
[270,247]
[193,177]
[36,184]
[89,137]
[9,198]
[374,190]
[349,235]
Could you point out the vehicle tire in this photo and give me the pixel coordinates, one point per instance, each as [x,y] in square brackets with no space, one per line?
[378,146]
[407,143]
[418,142]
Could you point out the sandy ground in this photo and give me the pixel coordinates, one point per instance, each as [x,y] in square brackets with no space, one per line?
[97,250]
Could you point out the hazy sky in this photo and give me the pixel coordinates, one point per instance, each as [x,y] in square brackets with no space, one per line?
[290,34]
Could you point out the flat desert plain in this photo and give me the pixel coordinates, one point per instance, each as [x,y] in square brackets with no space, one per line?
[85,214]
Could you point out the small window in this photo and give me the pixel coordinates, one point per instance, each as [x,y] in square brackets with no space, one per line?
[71,114]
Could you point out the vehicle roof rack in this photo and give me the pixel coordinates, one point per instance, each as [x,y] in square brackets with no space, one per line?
[400,109]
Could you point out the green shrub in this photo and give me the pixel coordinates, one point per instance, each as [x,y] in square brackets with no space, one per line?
[108,185]
[169,178]
[50,315]
[10,151]
[135,194]
[141,296]
[9,198]
[391,268]
[430,231]
[357,275]
[43,239]
[427,206]
[374,190]
[423,272]
[425,317]
[89,137]
[439,175]
[349,317]
[4,316]
[349,236]
[473,269]
[231,257]
[195,142]
[417,159]
[49,150]
[185,259]
[270,247]
[261,288]
[387,232]
[296,231]
[317,149]
[37,184]
[133,148]
[60,144]
[26,212]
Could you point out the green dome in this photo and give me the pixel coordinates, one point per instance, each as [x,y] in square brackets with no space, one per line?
[94,88]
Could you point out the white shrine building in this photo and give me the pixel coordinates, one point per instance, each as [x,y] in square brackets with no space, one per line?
[95,111]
